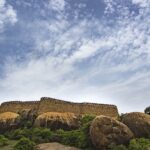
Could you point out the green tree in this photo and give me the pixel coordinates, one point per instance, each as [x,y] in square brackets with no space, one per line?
[147,110]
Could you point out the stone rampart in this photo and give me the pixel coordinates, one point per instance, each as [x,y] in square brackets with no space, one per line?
[54,105]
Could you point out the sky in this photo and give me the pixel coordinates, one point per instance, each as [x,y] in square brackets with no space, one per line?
[77,50]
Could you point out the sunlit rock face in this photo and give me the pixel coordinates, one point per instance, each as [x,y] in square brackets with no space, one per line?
[8,121]
[55,146]
[54,121]
[105,131]
[138,122]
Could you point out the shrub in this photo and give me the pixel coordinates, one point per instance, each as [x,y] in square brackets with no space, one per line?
[139,144]
[117,147]
[41,135]
[19,133]
[24,144]
[3,141]
[86,119]
[77,138]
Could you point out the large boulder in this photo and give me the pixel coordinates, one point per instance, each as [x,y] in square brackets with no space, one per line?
[54,121]
[139,123]
[54,146]
[8,121]
[105,131]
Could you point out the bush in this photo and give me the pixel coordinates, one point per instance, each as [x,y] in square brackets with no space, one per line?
[135,144]
[3,141]
[117,147]
[19,133]
[139,144]
[77,138]
[24,144]
[86,119]
[41,135]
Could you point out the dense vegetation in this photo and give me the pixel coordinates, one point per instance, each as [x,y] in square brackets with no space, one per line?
[27,137]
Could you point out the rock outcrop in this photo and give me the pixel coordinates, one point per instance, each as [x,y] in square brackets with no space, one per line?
[105,131]
[54,146]
[139,123]
[8,121]
[54,121]
[28,114]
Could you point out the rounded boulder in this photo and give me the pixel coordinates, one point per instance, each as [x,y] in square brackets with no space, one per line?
[8,121]
[54,121]
[105,131]
[139,123]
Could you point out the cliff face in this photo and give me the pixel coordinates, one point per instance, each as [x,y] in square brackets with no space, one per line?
[55,105]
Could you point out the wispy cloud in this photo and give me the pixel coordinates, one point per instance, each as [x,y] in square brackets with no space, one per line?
[103,59]
[7,15]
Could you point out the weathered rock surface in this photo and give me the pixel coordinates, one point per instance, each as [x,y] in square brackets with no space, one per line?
[54,121]
[105,131]
[28,114]
[8,120]
[54,146]
[139,123]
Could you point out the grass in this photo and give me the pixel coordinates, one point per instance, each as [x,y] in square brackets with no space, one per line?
[10,146]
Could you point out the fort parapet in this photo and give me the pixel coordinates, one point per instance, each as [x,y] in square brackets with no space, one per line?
[54,105]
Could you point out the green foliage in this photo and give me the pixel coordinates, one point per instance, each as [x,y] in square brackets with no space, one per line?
[41,135]
[38,135]
[139,144]
[77,138]
[147,110]
[118,147]
[87,118]
[135,144]
[3,141]
[24,144]
[20,133]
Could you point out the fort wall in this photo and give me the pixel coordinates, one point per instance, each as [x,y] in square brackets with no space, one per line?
[16,106]
[55,105]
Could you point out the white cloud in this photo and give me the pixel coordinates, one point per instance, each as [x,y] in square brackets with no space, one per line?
[58,5]
[7,15]
[110,67]
[142,3]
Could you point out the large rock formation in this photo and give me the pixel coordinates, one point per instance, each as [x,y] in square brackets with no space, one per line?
[54,146]
[54,121]
[105,131]
[139,123]
[8,121]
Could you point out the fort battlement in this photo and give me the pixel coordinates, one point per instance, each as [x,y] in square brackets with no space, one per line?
[47,104]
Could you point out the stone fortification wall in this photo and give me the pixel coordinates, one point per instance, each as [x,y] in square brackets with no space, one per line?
[16,106]
[55,105]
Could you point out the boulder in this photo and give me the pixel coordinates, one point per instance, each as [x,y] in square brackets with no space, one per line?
[105,131]
[139,123]
[54,121]
[54,146]
[8,121]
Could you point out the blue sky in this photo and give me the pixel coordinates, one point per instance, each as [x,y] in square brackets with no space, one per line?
[79,50]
